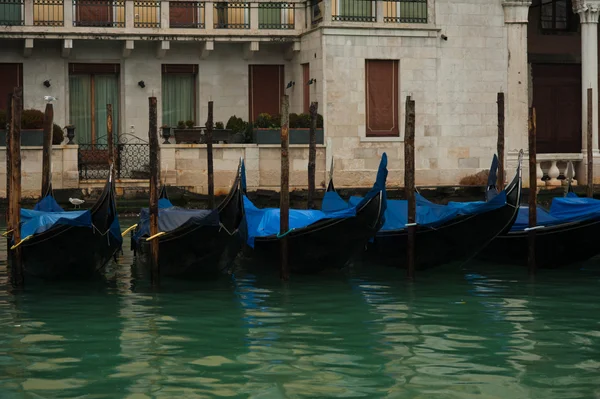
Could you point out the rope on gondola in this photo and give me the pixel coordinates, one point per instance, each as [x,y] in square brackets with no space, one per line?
[279,235]
[225,228]
[20,242]
[128,230]
[7,232]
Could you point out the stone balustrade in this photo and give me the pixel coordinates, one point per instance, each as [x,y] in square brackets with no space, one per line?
[551,168]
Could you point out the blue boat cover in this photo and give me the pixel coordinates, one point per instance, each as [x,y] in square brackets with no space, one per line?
[562,210]
[170,218]
[265,222]
[428,213]
[48,204]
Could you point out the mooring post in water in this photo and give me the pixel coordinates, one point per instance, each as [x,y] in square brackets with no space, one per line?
[8,172]
[590,157]
[532,191]
[110,139]
[312,154]
[409,185]
[209,156]
[500,181]
[47,150]
[154,178]
[284,196]
[14,202]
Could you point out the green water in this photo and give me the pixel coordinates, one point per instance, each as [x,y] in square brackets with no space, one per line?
[474,332]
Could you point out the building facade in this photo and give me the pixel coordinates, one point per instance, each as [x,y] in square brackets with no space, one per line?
[358,59]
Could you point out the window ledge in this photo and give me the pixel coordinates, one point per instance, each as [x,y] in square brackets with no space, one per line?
[364,139]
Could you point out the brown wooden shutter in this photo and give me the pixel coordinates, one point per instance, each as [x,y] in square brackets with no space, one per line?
[104,69]
[266,89]
[96,13]
[306,88]
[12,76]
[180,68]
[382,97]
[183,13]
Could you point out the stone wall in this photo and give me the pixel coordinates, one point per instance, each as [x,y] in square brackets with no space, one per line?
[64,169]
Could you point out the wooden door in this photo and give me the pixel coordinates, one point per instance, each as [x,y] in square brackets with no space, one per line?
[266,89]
[94,13]
[305,88]
[12,76]
[557,101]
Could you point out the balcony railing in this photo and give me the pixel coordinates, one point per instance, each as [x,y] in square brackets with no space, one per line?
[276,16]
[405,11]
[11,12]
[146,14]
[353,10]
[186,14]
[48,13]
[232,15]
[99,13]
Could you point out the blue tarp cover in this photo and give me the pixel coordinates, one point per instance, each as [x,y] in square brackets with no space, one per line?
[170,218]
[48,204]
[562,210]
[428,213]
[265,222]
[35,222]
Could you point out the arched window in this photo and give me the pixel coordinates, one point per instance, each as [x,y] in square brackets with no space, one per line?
[556,15]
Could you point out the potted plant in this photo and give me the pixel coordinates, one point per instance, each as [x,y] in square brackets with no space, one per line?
[32,128]
[166,133]
[237,128]
[181,125]
[190,124]
[267,129]
[186,133]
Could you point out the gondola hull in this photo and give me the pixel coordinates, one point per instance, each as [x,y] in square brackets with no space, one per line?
[328,244]
[565,245]
[78,253]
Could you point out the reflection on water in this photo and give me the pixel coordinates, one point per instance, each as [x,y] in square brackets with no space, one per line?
[478,332]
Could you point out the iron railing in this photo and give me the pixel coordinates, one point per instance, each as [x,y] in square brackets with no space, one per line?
[146,14]
[99,13]
[186,14]
[276,15]
[317,9]
[11,12]
[232,16]
[405,11]
[48,12]
[353,10]
[132,161]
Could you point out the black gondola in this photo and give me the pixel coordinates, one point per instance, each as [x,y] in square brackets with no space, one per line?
[71,248]
[559,243]
[328,243]
[455,240]
[192,242]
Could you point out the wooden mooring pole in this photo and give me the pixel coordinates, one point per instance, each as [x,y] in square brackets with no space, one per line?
[284,194]
[47,151]
[14,201]
[312,154]
[409,185]
[209,156]
[500,181]
[590,157]
[110,139]
[532,191]
[154,179]
[8,171]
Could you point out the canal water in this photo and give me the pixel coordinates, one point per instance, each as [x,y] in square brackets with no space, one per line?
[478,331]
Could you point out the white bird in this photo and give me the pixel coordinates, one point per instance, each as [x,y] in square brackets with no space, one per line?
[76,201]
[49,98]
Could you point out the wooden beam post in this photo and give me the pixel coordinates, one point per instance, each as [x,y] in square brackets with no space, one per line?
[284,196]
[532,191]
[14,202]
[8,171]
[590,156]
[47,150]
[110,139]
[209,156]
[500,181]
[312,154]
[409,185]
[154,179]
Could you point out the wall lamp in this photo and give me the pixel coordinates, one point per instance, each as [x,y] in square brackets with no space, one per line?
[47,83]
[141,84]
[444,37]
[313,80]
[290,84]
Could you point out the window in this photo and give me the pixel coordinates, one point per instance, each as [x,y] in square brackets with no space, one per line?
[91,88]
[178,93]
[557,15]
[186,14]
[11,12]
[353,10]
[146,14]
[381,77]
[105,13]
[276,16]
[232,15]
[405,11]
[12,76]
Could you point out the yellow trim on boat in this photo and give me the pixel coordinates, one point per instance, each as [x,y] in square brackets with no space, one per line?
[20,242]
[162,233]
[128,230]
